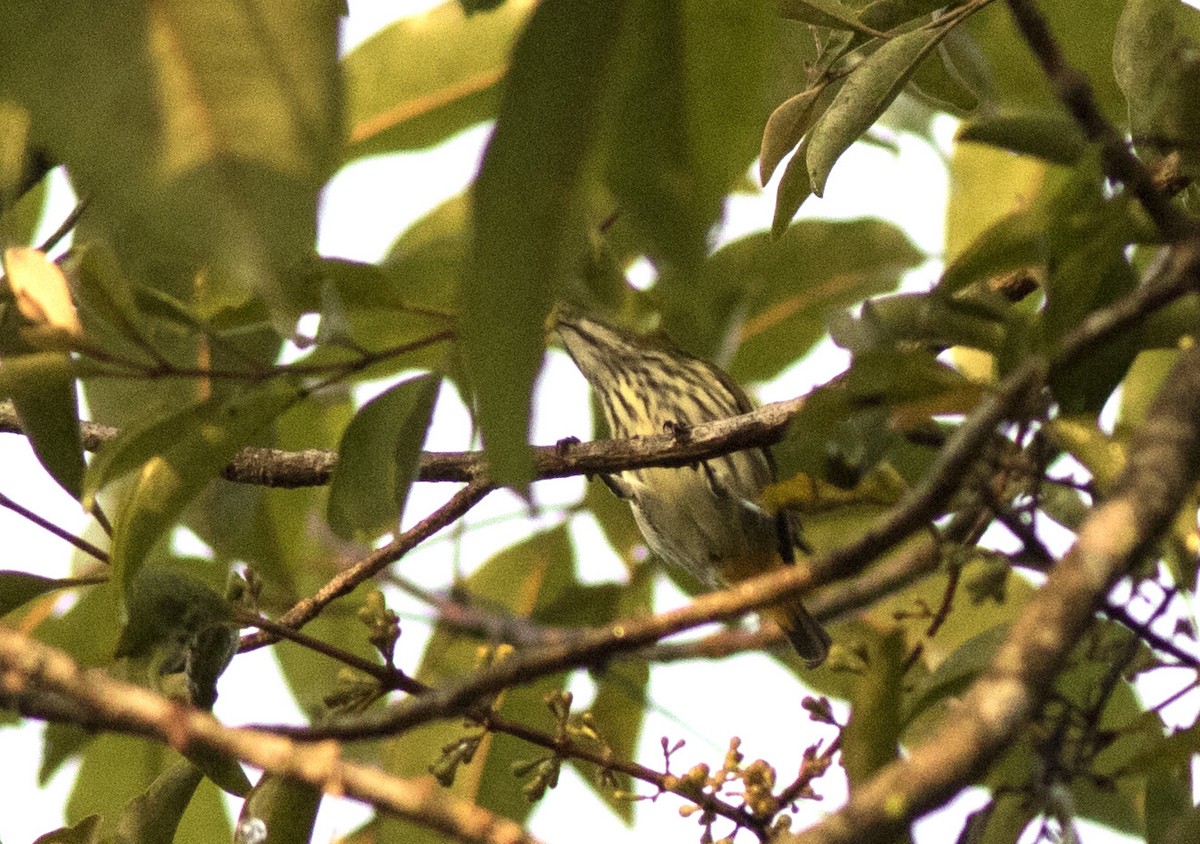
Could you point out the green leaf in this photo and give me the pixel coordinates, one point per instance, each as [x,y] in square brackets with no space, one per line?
[20,221]
[420,80]
[867,92]
[140,763]
[1050,136]
[286,807]
[377,460]
[954,675]
[42,388]
[871,737]
[187,161]
[527,190]
[17,587]
[153,816]
[829,13]
[87,831]
[1016,241]
[1156,60]
[169,479]
[224,771]
[784,130]
[889,14]
[795,186]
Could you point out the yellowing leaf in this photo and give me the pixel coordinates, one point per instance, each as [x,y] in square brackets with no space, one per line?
[40,289]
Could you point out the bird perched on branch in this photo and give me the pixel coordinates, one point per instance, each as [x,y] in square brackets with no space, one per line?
[702,518]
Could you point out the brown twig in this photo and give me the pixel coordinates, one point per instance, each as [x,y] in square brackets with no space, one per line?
[35,677]
[1075,92]
[306,609]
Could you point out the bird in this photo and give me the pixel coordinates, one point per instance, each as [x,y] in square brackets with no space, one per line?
[703,518]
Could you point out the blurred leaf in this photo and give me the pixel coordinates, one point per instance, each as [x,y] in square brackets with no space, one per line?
[685,111]
[19,223]
[139,102]
[524,197]
[377,460]
[1051,136]
[688,80]
[103,288]
[98,791]
[87,831]
[421,79]
[824,13]
[1015,80]
[937,82]
[1013,242]
[224,771]
[285,806]
[153,816]
[42,388]
[1171,817]
[867,92]
[954,675]
[927,319]
[168,480]
[871,737]
[1141,385]
[777,294]
[883,15]
[1156,61]
[1103,456]
[17,587]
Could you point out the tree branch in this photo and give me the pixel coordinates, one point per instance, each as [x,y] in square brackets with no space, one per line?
[44,680]
[1075,92]
[306,609]
[1164,462]
[312,467]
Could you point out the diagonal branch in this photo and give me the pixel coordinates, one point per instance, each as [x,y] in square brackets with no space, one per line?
[44,681]
[1164,463]
[344,582]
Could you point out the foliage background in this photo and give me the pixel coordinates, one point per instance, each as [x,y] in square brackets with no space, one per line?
[987,184]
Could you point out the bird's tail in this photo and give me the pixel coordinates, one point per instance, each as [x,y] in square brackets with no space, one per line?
[805,633]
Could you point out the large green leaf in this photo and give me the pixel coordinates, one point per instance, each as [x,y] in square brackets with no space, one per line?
[1157,65]
[377,459]
[421,79]
[17,587]
[526,193]
[202,131]
[784,290]
[684,117]
[42,388]
[169,479]
[871,737]
[140,763]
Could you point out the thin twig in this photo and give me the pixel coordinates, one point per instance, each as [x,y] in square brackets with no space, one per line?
[48,526]
[306,609]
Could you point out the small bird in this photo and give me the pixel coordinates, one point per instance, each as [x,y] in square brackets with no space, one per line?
[702,518]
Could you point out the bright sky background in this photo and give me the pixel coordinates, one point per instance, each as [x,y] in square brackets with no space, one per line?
[365,207]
